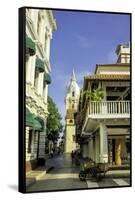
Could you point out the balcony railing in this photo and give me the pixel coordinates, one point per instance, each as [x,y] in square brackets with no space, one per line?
[109,107]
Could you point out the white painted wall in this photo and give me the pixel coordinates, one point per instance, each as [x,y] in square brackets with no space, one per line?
[37,99]
[115,70]
[34,145]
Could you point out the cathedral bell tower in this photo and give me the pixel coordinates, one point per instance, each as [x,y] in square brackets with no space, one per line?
[71,101]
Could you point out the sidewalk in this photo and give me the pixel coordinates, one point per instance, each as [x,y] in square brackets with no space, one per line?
[118,174]
[113,172]
[34,175]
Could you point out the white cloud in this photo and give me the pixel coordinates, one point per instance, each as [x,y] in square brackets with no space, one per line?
[84,41]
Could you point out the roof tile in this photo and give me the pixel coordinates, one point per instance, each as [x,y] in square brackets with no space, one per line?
[109,77]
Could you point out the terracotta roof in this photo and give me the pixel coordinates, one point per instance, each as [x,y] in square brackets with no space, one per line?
[108,77]
[70,113]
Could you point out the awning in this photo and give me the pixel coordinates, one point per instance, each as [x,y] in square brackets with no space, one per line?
[40,65]
[47,78]
[30,45]
[41,123]
[31,121]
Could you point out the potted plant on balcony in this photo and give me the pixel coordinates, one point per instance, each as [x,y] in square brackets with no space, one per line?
[94,97]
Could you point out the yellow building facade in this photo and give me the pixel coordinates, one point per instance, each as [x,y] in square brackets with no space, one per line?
[71,102]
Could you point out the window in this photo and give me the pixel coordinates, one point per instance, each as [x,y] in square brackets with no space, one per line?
[30,141]
[73,94]
[70,121]
[72,106]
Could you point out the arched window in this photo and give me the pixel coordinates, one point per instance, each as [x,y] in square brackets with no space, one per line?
[73,94]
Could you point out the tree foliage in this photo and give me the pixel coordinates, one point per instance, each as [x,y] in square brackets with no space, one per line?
[54,125]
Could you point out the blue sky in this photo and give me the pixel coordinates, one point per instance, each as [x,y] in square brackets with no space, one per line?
[82,40]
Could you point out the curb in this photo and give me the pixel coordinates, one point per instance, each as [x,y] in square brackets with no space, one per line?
[126,175]
[31,181]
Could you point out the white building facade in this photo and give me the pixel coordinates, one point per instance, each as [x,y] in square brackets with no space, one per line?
[40,25]
[105,132]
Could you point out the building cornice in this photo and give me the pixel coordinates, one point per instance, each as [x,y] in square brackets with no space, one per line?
[52,20]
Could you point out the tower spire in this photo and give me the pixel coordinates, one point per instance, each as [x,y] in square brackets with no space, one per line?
[73,78]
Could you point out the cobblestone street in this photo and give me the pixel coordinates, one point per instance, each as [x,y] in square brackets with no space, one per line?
[64,176]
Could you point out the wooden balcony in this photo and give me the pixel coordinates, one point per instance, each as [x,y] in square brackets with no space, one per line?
[109,108]
[111,112]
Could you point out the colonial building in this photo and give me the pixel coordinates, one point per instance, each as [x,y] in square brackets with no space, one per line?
[103,127]
[40,24]
[71,101]
[123,53]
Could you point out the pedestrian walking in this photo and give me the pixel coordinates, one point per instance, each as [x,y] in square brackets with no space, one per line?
[72,156]
[51,153]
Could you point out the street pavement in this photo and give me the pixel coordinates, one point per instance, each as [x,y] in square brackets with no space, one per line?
[64,176]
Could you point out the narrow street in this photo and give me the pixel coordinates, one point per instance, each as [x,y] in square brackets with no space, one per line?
[64,176]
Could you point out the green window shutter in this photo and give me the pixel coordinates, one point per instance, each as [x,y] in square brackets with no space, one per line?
[47,78]
[29,118]
[41,123]
[40,65]
[30,45]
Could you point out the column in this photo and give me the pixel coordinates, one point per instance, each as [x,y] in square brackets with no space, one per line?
[40,84]
[91,149]
[104,88]
[28,69]
[26,143]
[90,146]
[93,140]
[85,150]
[104,105]
[34,17]
[123,150]
[97,148]
[103,143]
[47,44]
[118,152]
[32,72]
[46,93]
[41,30]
